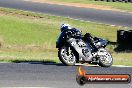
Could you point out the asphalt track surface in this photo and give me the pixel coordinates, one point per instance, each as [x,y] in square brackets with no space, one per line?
[101,16]
[53,75]
[57,75]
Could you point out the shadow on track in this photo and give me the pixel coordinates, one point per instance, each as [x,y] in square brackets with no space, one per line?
[40,62]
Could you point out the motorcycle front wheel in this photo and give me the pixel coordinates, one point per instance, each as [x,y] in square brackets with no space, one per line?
[105,58]
[67,56]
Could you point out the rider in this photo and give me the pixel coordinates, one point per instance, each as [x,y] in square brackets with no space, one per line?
[87,37]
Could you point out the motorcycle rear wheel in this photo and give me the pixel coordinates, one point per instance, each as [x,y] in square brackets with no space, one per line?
[105,58]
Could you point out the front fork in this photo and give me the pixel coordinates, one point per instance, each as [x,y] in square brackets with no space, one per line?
[68,50]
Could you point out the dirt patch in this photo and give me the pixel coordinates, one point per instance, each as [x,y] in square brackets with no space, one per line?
[1,14]
[100,7]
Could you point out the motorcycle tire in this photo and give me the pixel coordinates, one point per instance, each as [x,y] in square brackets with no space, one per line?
[101,62]
[63,59]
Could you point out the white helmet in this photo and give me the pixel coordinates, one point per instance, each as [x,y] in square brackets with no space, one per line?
[65,26]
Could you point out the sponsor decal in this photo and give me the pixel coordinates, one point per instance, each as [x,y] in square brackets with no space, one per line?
[83,78]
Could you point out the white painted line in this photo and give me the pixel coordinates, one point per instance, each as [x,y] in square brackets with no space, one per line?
[121,66]
[27,0]
[25,87]
[80,19]
[79,64]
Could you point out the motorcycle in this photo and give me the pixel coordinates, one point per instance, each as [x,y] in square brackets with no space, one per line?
[73,47]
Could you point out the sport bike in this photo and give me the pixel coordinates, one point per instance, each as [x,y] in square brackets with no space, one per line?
[73,47]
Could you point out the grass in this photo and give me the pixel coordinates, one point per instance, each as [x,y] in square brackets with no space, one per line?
[28,36]
[123,59]
[116,5]
[28,57]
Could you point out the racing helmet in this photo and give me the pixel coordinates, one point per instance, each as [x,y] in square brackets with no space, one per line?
[65,27]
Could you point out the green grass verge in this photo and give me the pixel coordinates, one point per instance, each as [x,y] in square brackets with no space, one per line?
[28,36]
[116,5]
